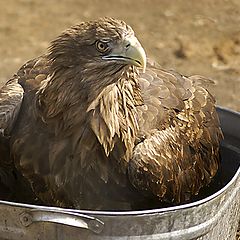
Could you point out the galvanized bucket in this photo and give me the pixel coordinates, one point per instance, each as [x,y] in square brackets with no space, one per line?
[214,217]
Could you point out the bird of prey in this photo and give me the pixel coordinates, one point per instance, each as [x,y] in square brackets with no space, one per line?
[91,124]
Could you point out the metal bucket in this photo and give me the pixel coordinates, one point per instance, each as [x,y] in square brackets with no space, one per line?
[213,217]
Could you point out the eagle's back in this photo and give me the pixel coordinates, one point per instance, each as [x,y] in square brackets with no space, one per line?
[178,143]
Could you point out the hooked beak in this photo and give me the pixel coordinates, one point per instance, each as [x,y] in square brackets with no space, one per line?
[130,52]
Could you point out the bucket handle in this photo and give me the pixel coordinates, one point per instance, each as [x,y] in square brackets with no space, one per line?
[61,217]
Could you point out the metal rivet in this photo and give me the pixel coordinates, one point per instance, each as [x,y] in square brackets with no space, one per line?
[95,226]
[25,219]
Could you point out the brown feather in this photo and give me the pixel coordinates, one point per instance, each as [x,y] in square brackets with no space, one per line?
[97,134]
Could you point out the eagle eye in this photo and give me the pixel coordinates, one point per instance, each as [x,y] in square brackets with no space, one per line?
[102,46]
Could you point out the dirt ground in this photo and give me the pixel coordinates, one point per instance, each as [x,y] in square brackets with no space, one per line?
[192,37]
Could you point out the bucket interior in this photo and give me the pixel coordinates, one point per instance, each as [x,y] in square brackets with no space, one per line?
[230,162]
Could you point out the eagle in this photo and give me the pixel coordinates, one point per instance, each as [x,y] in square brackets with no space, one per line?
[93,124]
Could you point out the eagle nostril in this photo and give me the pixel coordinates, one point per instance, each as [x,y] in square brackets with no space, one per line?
[127,46]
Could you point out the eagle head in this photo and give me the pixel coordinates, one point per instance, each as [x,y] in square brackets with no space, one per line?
[93,62]
[104,44]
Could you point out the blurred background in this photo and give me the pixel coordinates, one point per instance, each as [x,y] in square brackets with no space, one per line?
[192,37]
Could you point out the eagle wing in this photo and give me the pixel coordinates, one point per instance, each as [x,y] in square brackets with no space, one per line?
[177,149]
[29,77]
[12,106]
[11,95]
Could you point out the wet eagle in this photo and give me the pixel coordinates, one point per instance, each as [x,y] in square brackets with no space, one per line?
[91,124]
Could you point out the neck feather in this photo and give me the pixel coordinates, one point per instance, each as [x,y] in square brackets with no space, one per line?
[107,100]
[114,115]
